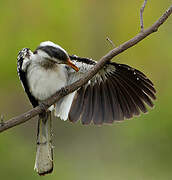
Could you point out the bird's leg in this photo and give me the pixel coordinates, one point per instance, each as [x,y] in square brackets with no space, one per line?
[44,106]
[64,91]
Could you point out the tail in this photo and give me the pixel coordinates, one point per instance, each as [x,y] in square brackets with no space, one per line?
[44,154]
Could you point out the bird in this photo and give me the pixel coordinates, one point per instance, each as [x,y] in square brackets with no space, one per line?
[115,93]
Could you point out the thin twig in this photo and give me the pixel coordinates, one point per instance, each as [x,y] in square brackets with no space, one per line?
[141,15]
[2,120]
[111,42]
[74,86]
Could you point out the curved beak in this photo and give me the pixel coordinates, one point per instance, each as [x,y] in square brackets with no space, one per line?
[72,65]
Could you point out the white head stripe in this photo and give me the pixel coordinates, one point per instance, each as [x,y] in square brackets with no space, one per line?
[49,43]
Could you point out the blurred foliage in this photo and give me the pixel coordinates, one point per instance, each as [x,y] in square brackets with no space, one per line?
[136,149]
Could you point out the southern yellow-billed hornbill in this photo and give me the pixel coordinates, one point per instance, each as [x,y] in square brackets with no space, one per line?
[116,92]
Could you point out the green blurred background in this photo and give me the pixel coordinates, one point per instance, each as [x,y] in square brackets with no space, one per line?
[138,149]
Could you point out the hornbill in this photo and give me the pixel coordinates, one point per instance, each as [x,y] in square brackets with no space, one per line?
[115,93]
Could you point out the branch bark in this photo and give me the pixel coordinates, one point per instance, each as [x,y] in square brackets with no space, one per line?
[68,89]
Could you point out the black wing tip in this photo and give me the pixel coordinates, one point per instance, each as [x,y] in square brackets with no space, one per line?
[72,120]
[111,122]
[85,123]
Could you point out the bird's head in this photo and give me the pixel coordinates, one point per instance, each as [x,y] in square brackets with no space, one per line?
[48,51]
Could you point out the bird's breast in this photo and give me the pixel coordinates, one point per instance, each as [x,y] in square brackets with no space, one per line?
[43,83]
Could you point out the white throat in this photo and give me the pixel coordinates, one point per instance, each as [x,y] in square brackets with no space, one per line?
[43,83]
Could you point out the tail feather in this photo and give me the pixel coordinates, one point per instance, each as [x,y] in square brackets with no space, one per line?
[44,154]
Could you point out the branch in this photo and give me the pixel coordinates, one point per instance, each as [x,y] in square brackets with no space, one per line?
[141,15]
[110,41]
[68,89]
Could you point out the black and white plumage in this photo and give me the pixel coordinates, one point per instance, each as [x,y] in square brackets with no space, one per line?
[115,93]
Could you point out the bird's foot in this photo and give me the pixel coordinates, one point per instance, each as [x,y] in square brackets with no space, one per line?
[44,106]
[64,91]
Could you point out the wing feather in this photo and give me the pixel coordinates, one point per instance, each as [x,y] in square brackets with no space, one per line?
[131,107]
[107,106]
[77,105]
[87,106]
[98,113]
[117,92]
[117,112]
[133,92]
[23,79]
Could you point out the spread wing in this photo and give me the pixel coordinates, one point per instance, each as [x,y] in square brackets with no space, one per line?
[117,92]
